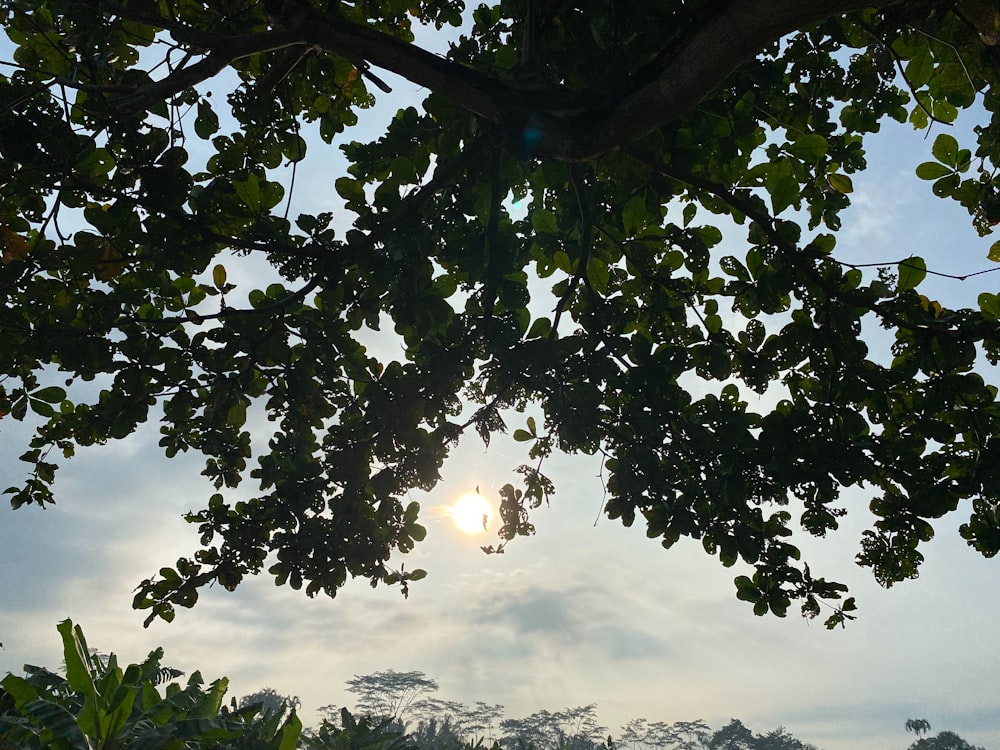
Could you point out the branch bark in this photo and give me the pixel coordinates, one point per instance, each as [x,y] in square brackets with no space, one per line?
[701,63]
[572,125]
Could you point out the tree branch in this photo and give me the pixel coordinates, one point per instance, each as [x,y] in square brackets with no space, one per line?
[574,125]
[799,260]
[685,74]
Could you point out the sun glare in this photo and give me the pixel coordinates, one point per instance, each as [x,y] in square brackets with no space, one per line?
[472,513]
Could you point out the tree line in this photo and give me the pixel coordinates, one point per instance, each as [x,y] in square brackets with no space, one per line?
[96,704]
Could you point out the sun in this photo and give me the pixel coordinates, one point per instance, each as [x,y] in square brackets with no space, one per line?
[471,513]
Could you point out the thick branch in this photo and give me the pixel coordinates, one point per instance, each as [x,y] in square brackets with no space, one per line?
[223,51]
[332,32]
[573,125]
[699,64]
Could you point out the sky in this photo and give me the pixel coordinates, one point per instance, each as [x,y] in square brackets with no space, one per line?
[584,612]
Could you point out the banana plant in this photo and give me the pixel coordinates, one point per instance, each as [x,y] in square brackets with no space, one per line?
[99,706]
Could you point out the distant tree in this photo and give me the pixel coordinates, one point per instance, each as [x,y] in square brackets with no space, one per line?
[943,741]
[271,700]
[472,723]
[736,736]
[642,734]
[689,735]
[439,709]
[437,734]
[918,726]
[682,735]
[569,729]
[482,721]
[780,739]
[389,694]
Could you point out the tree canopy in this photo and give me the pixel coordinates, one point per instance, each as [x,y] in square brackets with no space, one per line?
[542,235]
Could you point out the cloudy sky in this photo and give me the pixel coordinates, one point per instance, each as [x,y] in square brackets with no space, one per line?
[584,612]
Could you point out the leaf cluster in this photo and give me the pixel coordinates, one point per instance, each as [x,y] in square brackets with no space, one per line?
[672,260]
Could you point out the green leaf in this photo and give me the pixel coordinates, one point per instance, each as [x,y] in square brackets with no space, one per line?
[920,68]
[947,185]
[911,272]
[290,732]
[403,170]
[77,658]
[544,222]
[689,212]
[249,192]
[19,689]
[634,214]
[840,182]
[219,276]
[563,262]
[945,150]
[207,122]
[598,274]
[994,253]
[51,395]
[350,190]
[990,305]
[810,147]
[932,170]
[237,414]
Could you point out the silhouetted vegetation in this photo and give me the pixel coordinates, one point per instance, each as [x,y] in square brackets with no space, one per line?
[97,705]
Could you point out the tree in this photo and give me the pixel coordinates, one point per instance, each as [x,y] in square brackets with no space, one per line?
[479,723]
[780,739]
[435,734]
[919,727]
[389,694]
[944,741]
[940,741]
[151,145]
[681,735]
[271,701]
[736,736]
[568,729]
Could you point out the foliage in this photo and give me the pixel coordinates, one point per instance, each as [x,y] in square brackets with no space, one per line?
[404,700]
[644,735]
[389,694]
[736,736]
[943,741]
[151,146]
[940,741]
[919,727]
[352,733]
[271,701]
[99,706]
[569,729]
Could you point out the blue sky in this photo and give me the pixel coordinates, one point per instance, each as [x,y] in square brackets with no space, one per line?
[581,613]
